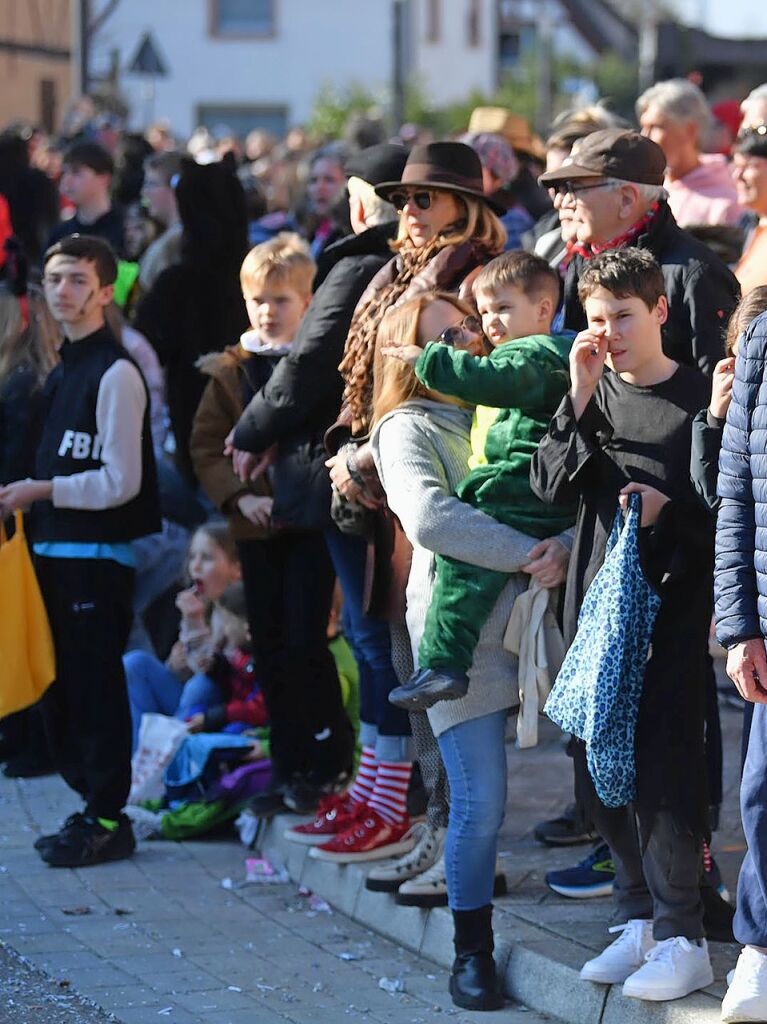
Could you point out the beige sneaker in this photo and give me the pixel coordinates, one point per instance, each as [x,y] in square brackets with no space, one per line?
[430,888]
[428,849]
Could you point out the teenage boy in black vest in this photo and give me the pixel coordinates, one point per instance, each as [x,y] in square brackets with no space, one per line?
[95,492]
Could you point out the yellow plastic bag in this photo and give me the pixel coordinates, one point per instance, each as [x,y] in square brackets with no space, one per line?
[27,660]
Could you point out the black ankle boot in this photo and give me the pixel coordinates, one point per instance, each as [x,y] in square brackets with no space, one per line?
[473,984]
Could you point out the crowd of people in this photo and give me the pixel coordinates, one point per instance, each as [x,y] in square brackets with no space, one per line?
[321,443]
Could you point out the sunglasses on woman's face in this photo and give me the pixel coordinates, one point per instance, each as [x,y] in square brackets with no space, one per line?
[422,199]
[454,335]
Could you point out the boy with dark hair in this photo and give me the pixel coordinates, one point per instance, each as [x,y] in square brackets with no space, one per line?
[95,492]
[623,429]
[86,179]
[516,389]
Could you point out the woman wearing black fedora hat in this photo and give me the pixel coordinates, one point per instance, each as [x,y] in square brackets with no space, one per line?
[448,230]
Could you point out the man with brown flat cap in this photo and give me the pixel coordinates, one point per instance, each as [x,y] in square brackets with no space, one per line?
[612,186]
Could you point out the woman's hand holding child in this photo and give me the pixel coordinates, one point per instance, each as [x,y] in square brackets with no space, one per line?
[405,353]
[548,563]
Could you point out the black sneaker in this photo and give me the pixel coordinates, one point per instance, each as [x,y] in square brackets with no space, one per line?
[269,802]
[72,822]
[429,686]
[90,843]
[563,831]
[30,765]
[302,794]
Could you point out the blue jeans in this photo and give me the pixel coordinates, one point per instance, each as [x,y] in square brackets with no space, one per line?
[153,687]
[474,754]
[750,925]
[368,638]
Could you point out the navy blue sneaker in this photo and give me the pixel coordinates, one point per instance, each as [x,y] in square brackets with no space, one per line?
[594,876]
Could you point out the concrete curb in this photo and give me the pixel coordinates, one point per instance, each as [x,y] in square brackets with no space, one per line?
[539,968]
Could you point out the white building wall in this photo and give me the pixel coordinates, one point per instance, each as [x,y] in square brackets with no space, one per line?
[449,69]
[316,41]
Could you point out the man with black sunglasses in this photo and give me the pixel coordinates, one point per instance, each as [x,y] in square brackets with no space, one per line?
[612,188]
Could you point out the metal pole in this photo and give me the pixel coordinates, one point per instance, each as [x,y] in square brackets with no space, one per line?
[398,65]
[85,45]
[80,12]
[544,28]
[648,46]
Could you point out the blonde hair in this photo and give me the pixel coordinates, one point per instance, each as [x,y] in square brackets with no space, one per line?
[35,346]
[377,210]
[478,224]
[394,381]
[284,259]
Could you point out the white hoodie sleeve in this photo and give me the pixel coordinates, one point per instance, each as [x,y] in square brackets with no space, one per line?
[120,408]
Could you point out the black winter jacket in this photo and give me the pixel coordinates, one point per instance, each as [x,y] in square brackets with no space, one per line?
[740,574]
[21,412]
[304,392]
[702,293]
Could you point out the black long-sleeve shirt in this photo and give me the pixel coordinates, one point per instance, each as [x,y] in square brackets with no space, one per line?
[643,434]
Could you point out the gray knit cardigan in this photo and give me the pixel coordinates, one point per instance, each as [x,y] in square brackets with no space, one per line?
[421,451]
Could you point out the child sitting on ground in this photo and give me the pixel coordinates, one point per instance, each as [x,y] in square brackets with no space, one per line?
[516,390]
[239,704]
[181,683]
[625,428]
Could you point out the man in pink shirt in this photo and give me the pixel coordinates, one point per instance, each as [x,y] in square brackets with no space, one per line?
[675,115]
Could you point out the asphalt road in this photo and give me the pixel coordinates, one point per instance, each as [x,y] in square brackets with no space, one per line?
[29,997]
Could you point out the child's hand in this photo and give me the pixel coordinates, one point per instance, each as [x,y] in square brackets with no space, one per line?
[587,360]
[721,388]
[257,510]
[196,723]
[177,658]
[189,604]
[652,501]
[405,353]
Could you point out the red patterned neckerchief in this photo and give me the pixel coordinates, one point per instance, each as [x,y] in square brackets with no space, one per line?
[587,250]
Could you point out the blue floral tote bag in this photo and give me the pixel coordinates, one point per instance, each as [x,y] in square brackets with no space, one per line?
[597,692]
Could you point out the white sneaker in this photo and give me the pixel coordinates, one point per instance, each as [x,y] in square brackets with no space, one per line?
[672,969]
[623,956]
[428,850]
[746,998]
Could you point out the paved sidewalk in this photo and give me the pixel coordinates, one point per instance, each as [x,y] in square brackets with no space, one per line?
[157,938]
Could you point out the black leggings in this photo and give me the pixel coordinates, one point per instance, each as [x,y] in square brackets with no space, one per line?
[288,583]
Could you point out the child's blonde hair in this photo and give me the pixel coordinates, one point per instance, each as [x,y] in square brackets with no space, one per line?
[394,381]
[284,259]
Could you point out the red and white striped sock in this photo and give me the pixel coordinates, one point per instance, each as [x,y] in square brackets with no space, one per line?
[361,789]
[389,797]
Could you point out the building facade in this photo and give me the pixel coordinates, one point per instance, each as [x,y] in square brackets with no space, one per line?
[35,75]
[261,63]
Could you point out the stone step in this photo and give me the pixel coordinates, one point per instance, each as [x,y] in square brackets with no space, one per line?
[539,967]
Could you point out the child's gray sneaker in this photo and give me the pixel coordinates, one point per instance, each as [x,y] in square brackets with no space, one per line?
[389,877]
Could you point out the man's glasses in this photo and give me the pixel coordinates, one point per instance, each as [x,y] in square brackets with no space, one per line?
[571,188]
[422,199]
[454,335]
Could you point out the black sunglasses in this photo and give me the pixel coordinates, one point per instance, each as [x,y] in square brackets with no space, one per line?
[453,335]
[564,188]
[422,199]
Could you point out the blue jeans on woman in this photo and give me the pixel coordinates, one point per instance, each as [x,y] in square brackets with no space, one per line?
[474,754]
[153,687]
[370,641]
